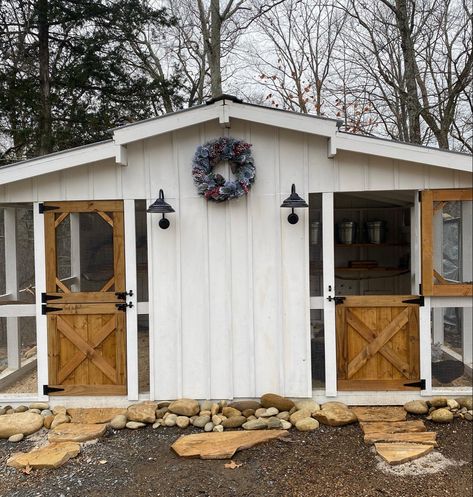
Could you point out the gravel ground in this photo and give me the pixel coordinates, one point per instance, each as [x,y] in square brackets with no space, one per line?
[331,462]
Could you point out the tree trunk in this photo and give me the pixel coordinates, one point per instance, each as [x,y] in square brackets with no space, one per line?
[45,128]
[214,53]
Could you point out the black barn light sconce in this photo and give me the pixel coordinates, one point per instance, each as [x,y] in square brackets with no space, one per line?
[160,206]
[294,202]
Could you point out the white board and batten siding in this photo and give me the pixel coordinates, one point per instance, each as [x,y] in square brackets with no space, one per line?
[229,283]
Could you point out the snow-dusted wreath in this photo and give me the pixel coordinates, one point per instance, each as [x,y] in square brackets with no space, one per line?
[214,186]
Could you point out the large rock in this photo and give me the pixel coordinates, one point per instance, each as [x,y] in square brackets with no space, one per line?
[335,414]
[201,421]
[184,407]
[307,424]
[118,422]
[255,424]
[20,422]
[466,402]
[308,404]
[242,405]
[144,412]
[298,415]
[233,422]
[438,402]
[49,456]
[230,411]
[93,415]
[76,432]
[442,416]
[416,407]
[274,400]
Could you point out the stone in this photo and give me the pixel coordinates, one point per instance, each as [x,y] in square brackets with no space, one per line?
[453,404]
[399,453]
[21,409]
[466,402]
[255,424]
[206,405]
[218,429]
[170,420]
[157,424]
[118,422]
[77,432]
[298,415]
[135,425]
[230,411]
[161,412]
[2,411]
[201,421]
[182,421]
[50,456]
[442,415]
[248,412]
[93,415]
[260,413]
[35,411]
[209,426]
[283,415]
[416,407]
[234,422]
[144,412]
[242,405]
[46,412]
[164,403]
[205,413]
[48,420]
[216,420]
[274,400]
[273,423]
[335,414]
[222,404]
[468,415]
[59,410]
[307,424]
[184,407]
[10,411]
[272,411]
[16,438]
[39,405]
[251,418]
[60,419]
[214,409]
[285,425]
[308,404]
[438,402]
[20,422]
[293,410]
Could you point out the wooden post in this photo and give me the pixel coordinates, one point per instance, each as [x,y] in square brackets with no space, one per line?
[438,313]
[11,280]
[328,258]
[132,312]
[40,286]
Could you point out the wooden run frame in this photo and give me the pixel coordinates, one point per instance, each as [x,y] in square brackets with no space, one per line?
[428,197]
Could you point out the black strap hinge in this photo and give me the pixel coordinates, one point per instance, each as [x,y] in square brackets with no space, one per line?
[45,309]
[337,300]
[420,301]
[47,389]
[124,295]
[45,298]
[122,307]
[43,208]
[417,384]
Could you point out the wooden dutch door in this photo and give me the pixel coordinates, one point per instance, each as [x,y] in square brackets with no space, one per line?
[378,343]
[85,298]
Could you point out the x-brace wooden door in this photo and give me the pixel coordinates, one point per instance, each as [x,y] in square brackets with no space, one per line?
[378,343]
[85,299]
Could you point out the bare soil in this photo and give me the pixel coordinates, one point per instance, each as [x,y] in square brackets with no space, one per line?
[331,462]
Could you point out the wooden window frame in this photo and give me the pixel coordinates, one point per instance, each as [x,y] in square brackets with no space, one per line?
[428,197]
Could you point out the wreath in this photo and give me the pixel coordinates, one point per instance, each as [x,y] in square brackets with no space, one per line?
[214,186]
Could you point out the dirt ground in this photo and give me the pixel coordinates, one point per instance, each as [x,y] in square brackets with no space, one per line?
[330,462]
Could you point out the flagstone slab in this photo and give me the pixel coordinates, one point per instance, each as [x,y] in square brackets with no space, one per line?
[222,445]
[49,456]
[393,427]
[94,415]
[77,432]
[381,414]
[424,437]
[399,453]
